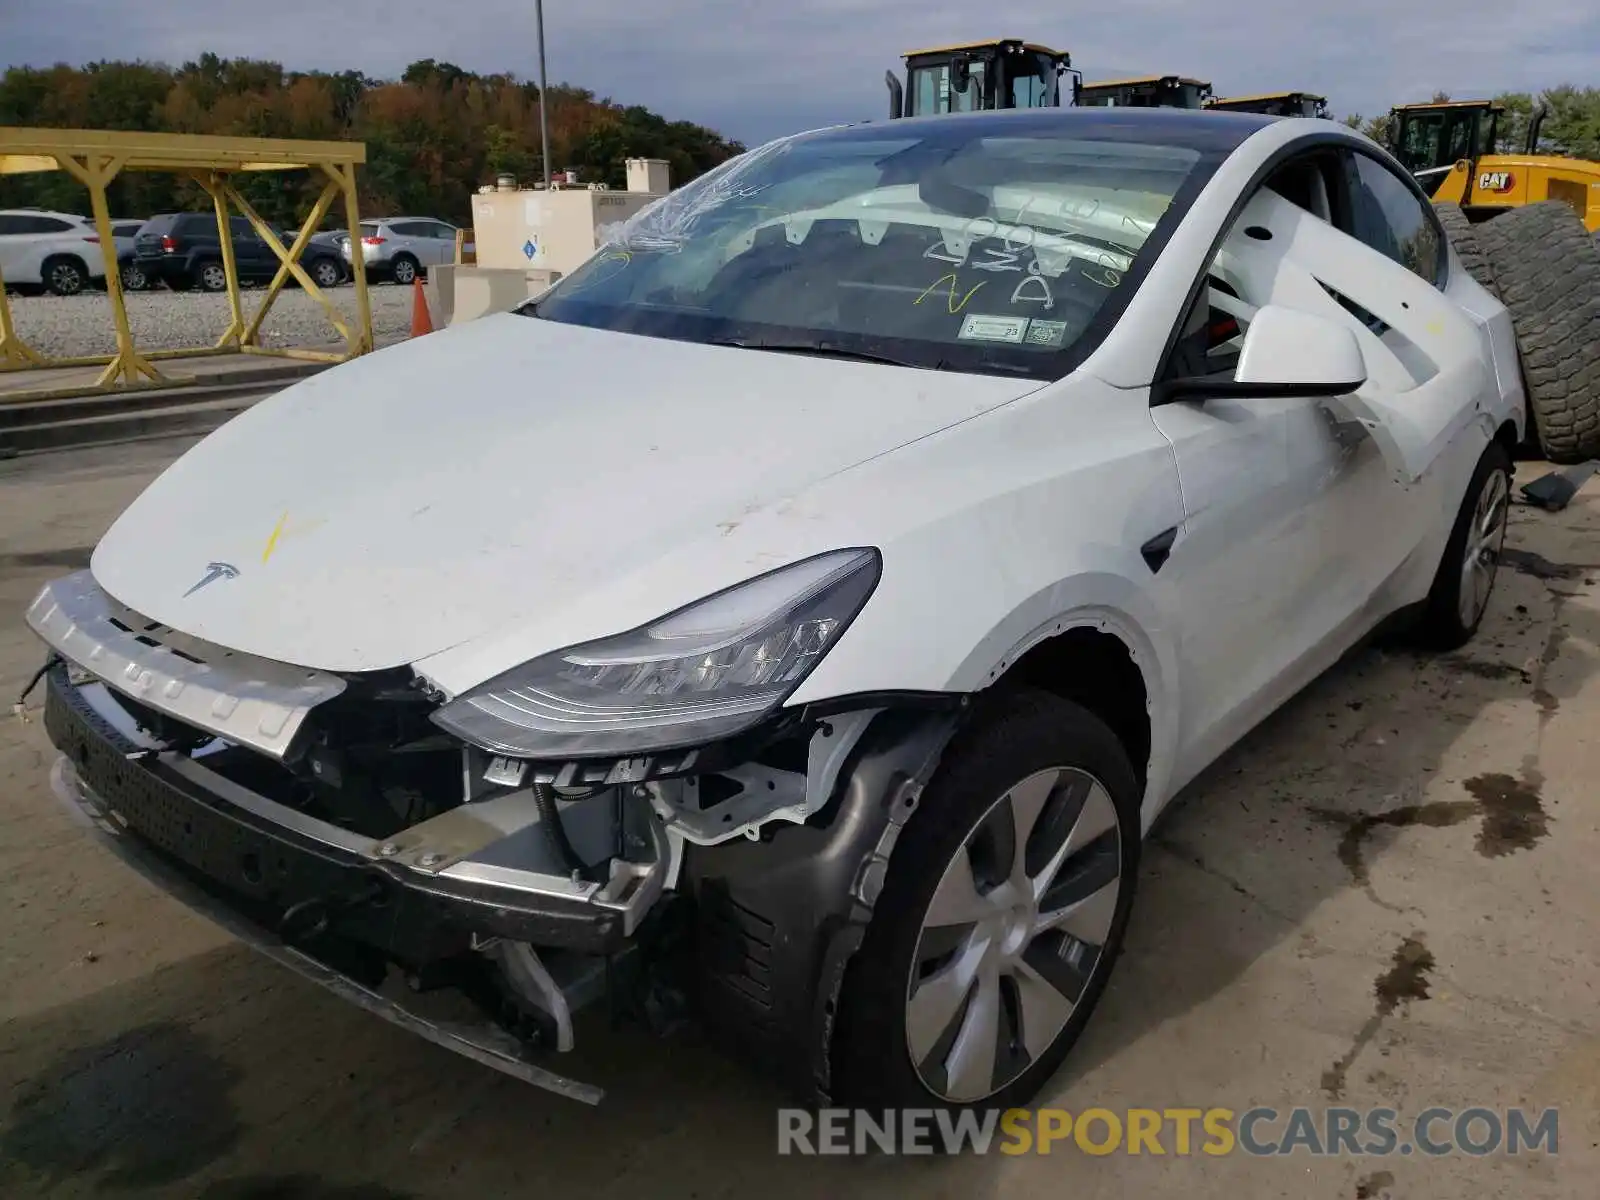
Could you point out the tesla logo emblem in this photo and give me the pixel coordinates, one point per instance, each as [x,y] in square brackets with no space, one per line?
[214,572]
[1495,181]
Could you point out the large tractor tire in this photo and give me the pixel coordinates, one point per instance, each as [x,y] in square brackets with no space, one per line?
[1548,269]
[1464,237]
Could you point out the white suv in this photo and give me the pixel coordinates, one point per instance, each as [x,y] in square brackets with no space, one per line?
[401,248]
[54,250]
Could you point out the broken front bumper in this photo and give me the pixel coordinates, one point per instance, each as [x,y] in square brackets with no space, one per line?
[774,916]
[324,910]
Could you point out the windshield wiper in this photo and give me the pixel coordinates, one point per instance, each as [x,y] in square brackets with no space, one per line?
[823,350]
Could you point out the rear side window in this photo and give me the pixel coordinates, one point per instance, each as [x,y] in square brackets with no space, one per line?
[1391,218]
[125,229]
[411,229]
[195,225]
[28,223]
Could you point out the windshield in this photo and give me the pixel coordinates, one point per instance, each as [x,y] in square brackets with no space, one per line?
[931,91]
[1034,81]
[970,243]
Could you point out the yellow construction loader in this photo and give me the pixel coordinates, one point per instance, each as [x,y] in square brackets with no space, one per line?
[1275,104]
[1148,91]
[1523,225]
[1450,147]
[973,76]
[1015,73]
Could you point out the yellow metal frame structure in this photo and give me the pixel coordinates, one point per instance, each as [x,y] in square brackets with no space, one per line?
[95,157]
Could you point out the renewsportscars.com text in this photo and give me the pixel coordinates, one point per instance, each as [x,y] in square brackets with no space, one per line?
[1214,1132]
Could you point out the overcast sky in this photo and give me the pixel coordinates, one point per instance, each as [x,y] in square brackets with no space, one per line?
[755,69]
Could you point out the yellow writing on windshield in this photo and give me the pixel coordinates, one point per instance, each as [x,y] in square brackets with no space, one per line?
[600,272]
[953,304]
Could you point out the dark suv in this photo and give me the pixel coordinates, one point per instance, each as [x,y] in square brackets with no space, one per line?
[183,251]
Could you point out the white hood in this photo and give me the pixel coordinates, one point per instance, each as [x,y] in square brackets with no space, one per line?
[408,501]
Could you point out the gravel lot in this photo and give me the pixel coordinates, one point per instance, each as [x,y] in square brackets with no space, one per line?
[68,326]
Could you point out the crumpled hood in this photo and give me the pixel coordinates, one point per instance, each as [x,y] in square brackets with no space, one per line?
[410,500]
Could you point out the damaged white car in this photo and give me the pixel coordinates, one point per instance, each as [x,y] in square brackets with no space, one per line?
[795,619]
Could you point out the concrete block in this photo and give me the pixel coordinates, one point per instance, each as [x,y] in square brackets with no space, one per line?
[479,291]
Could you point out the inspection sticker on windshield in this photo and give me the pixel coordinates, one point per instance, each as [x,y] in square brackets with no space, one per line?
[1045,333]
[994,329]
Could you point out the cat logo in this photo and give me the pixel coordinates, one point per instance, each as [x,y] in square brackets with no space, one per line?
[1495,181]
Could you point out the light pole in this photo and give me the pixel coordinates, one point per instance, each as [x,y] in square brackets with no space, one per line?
[544,96]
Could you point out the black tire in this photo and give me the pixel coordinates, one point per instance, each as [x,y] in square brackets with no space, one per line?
[325,272]
[1024,732]
[1444,625]
[1463,236]
[211,276]
[1548,268]
[405,269]
[64,275]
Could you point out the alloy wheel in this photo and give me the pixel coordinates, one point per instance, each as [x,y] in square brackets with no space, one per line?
[65,279]
[1014,934]
[404,272]
[1481,554]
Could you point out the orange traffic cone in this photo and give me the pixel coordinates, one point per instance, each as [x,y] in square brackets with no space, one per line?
[421,322]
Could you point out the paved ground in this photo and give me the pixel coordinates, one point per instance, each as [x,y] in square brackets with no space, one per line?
[1387,897]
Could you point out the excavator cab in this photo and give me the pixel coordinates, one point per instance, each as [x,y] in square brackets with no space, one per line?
[1008,73]
[1154,91]
[1275,104]
[1429,139]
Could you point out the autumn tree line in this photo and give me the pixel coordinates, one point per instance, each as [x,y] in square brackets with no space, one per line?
[438,133]
[1571,124]
[433,137]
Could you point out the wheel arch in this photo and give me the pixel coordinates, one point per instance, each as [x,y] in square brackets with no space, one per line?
[1108,654]
[1097,669]
[67,256]
[1509,436]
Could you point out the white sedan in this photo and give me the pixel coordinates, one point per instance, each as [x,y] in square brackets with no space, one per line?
[796,618]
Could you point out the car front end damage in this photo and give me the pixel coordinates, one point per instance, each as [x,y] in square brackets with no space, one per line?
[484,900]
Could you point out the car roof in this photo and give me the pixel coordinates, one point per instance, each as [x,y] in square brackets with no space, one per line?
[43,212]
[1201,129]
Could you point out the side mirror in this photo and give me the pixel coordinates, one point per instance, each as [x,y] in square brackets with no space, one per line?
[960,73]
[1287,353]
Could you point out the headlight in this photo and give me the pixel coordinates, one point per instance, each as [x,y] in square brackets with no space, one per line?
[701,673]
